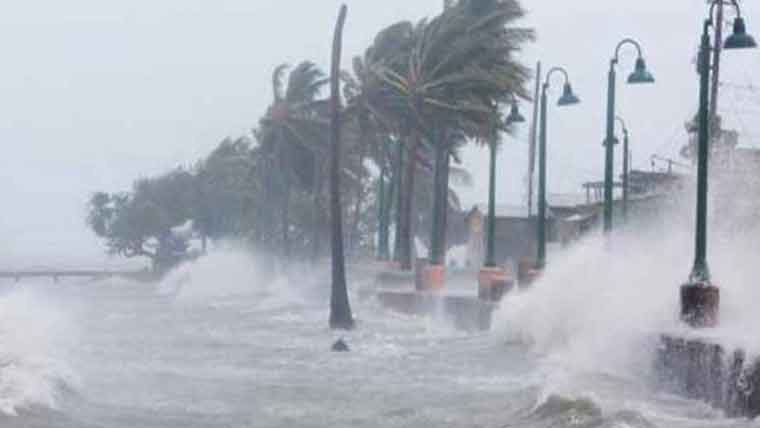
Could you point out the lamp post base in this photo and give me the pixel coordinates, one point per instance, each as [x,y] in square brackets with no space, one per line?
[493,284]
[700,304]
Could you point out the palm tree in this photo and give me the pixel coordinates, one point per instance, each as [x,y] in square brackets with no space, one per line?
[292,135]
[340,309]
[445,146]
[461,64]
[370,102]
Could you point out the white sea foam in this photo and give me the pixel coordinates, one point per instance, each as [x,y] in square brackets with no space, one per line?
[35,335]
[227,271]
[602,304]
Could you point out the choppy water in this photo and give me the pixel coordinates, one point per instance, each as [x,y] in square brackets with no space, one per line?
[211,347]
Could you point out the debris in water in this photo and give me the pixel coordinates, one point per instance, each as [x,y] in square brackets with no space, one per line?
[340,346]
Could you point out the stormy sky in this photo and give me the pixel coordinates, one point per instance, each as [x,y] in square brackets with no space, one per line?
[94,94]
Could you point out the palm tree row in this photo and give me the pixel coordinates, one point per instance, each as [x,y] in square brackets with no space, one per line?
[409,103]
[412,99]
[425,89]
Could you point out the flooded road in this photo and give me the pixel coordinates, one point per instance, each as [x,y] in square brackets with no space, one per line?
[198,352]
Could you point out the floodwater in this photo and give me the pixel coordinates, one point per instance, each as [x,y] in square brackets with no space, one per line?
[213,347]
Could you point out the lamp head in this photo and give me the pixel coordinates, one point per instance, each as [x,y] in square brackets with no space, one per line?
[568,97]
[640,74]
[514,115]
[740,39]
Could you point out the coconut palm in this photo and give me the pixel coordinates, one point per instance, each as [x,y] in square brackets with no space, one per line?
[292,136]
[461,64]
[370,102]
[340,309]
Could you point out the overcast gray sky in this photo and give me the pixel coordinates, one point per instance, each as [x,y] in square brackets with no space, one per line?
[94,94]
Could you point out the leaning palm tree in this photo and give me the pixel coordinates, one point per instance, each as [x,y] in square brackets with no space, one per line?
[370,102]
[340,309]
[461,64]
[292,136]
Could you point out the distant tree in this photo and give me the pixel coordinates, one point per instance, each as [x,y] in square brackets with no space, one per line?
[140,223]
[226,189]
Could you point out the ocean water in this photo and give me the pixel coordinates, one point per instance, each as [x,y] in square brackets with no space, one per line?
[218,345]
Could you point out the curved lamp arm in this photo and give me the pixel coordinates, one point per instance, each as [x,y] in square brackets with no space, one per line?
[628,41]
[556,70]
[714,3]
[622,123]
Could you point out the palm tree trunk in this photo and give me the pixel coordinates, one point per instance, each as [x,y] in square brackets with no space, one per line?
[439,204]
[354,234]
[384,201]
[398,185]
[317,213]
[445,205]
[286,219]
[340,309]
[407,239]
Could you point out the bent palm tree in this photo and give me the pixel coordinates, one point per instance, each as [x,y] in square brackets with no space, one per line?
[340,309]
[292,136]
[461,65]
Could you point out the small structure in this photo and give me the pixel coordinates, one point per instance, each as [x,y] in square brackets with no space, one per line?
[515,232]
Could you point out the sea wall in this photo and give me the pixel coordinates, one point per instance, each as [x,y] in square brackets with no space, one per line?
[702,370]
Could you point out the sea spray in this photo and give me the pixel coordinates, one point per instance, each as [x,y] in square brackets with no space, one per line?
[593,307]
[35,339]
[597,313]
[232,270]
[226,271]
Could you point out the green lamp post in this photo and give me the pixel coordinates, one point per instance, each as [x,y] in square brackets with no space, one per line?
[625,166]
[490,261]
[700,299]
[568,98]
[640,75]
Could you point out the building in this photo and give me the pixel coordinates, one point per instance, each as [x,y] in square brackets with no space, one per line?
[569,217]
[516,229]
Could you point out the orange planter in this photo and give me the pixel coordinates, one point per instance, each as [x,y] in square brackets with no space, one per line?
[430,278]
[529,277]
[493,283]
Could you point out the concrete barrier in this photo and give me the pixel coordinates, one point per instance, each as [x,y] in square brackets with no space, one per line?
[702,370]
[463,312]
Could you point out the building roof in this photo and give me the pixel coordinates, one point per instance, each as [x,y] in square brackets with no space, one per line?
[567,200]
[508,211]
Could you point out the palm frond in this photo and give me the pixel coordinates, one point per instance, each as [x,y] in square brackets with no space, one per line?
[277,82]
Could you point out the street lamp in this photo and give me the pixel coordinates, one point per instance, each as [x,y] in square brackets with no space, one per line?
[640,75]
[568,98]
[513,117]
[700,299]
[625,166]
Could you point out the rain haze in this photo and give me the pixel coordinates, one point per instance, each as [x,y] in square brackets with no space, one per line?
[181,251]
[96,94]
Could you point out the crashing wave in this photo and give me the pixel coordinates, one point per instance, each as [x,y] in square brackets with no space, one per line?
[34,335]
